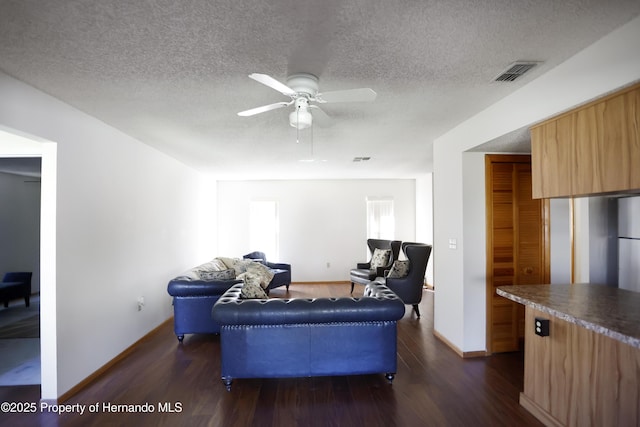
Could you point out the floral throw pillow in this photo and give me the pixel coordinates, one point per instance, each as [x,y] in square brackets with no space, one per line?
[399,269]
[251,288]
[380,258]
[228,274]
[262,272]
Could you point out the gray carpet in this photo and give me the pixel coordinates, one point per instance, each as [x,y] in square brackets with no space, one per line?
[19,361]
[20,343]
[28,327]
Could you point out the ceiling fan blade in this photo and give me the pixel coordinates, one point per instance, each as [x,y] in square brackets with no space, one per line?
[351,95]
[263,109]
[320,116]
[273,83]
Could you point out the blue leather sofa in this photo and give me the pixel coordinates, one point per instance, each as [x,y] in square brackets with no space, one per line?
[193,297]
[192,303]
[277,338]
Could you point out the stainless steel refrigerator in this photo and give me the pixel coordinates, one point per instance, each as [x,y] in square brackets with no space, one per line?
[629,243]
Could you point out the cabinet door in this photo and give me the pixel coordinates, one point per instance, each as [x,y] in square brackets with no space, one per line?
[551,152]
[587,171]
[594,149]
[619,147]
[631,133]
[607,147]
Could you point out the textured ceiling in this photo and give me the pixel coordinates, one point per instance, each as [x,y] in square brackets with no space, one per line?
[173,74]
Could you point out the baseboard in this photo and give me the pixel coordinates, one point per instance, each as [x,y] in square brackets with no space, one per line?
[543,416]
[472,354]
[459,352]
[48,402]
[104,368]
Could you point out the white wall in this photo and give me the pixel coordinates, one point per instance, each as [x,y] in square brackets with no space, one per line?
[321,221]
[20,226]
[474,248]
[608,64]
[424,217]
[125,223]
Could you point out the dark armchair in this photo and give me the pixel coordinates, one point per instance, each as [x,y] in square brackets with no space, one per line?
[282,271]
[15,285]
[363,273]
[409,287]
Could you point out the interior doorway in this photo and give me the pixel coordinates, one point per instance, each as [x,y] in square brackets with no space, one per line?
[517,245]
[14,143]
[20,194]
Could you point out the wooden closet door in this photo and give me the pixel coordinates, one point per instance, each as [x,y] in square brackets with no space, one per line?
[516,245]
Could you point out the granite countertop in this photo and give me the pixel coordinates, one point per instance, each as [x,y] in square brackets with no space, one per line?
[610,311]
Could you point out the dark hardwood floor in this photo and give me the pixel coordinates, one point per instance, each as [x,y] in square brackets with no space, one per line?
[433,386]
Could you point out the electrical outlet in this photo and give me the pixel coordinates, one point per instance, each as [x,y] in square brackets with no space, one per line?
[140,303]
[541,327]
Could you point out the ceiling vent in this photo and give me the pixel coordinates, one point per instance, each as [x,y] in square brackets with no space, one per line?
[361,159]
[515,70]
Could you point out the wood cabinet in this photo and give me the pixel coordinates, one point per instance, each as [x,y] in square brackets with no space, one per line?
[591,150]
[584,368]
[551,158]
[578,377]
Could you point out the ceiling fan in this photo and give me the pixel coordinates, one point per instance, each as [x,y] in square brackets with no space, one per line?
[302,88]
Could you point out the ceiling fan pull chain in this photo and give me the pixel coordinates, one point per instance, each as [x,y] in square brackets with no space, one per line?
[297,127]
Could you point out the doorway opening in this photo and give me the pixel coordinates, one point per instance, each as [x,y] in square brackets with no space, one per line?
[517,245]
[15,144]
[20,252]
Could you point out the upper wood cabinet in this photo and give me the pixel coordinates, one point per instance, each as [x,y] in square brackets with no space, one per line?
[591,150]
[551,148]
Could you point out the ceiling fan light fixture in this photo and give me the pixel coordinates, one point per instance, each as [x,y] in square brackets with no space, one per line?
[300,119]
[302,88]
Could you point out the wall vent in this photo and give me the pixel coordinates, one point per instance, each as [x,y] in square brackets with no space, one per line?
[515,70]
[361,159]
